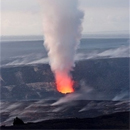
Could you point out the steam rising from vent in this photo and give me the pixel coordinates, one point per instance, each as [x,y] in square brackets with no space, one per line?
[62,32]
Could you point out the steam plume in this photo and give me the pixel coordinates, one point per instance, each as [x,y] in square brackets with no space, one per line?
[62,31]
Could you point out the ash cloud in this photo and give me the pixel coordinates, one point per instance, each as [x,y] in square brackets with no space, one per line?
[62,28]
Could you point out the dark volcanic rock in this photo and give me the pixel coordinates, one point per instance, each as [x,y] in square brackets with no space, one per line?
[113,121]
[17,121]
[107,77]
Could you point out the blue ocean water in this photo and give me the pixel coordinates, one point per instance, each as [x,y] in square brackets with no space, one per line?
[33,51]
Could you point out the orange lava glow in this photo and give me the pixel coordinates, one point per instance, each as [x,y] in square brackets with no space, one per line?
[64,83]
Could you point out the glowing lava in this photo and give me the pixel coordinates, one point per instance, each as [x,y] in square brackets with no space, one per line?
[64,83]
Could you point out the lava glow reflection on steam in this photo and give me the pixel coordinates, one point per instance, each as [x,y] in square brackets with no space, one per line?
[64,83]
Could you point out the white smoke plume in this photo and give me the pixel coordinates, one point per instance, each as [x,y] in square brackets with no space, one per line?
[62,32]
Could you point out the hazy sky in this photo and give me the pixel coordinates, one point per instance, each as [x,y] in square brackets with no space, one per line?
[23,17]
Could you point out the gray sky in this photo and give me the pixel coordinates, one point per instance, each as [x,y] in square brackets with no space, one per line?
[23,17]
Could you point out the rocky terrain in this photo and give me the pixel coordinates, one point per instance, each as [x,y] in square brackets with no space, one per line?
[108,78]
[112,121]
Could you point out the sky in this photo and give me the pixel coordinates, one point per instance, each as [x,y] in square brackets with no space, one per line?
[24,17]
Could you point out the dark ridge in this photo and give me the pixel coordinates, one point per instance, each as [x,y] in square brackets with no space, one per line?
[105,76]
[118,120]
